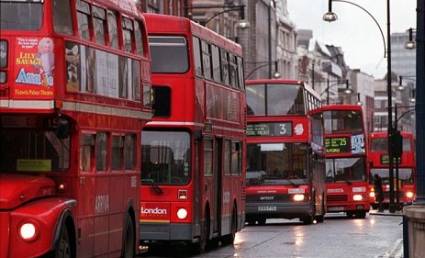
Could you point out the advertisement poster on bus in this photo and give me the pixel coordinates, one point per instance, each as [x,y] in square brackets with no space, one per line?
[35,64]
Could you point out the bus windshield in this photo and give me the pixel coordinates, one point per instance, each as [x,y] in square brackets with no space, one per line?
[381,144]
[281,99]
[21,15]
[342,121]
[165,157]
[169,54]
[28,145]
[345,169]
[404,174]
[277,163]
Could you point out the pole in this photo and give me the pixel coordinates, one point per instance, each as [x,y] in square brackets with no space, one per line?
[420,103]
[269,24]
[390,113]
[312,75]
[327,91]
[397,162]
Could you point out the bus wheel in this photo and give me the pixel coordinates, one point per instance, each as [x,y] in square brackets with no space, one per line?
[63,249]
[361,214]
[320,218]
[129,239]
[307,220]
[201,246]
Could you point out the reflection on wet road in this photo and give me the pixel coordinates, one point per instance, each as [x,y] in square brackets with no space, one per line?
[337,237]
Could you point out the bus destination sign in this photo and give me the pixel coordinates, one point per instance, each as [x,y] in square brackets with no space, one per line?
[269,129]
[337,145]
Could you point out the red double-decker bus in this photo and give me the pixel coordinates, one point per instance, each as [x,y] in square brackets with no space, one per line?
[285,164]
[71,80]
[346,161]
[379,163]
[193,169]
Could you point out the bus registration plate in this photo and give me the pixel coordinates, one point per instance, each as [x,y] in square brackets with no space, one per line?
[336,208]
[267,208]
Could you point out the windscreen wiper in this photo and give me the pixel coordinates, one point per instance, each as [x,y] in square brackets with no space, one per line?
[155,187]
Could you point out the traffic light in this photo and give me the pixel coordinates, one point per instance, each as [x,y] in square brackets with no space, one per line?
[396,144]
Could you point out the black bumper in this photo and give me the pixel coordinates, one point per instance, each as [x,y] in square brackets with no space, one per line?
[288,210]
[166,232]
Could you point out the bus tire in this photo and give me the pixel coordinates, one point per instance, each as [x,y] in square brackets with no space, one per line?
[64,246]
[320,218]
[129,239]
[261,221]
[201,246]
[360,214]
[307,220]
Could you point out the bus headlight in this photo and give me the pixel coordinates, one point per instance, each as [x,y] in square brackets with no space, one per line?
[372,194]
[409,195]
[182,213]
[357,197]
[298,197]
[28,231]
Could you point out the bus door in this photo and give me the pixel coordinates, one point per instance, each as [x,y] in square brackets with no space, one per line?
[196,186]
[217,174]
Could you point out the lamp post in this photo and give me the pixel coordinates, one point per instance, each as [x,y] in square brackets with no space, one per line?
[330,16]
[275,75]
[347,89]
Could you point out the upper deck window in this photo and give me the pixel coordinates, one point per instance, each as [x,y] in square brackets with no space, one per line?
[342,121]
[83,17]
[275,100]
[62,17]
[21,15]
[113,29]
[99,24]
[169,54]
[139,38]
[127,31]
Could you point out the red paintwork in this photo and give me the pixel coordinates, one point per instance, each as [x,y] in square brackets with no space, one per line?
[408,160]
[96,201]
[343,188]
[192,99]
[305,137]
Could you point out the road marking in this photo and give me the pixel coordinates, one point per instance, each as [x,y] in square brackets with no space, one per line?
[395,252]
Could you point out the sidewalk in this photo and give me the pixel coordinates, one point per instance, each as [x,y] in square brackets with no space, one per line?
[385,213]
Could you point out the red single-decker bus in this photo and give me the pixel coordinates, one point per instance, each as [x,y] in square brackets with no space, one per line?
[72,111]
[346,165]
[285,162]
[379,162]
[193,170]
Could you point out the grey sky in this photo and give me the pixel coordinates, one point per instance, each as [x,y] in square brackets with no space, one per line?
[354,30]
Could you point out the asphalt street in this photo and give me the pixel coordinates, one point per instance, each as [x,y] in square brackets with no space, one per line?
[373,237]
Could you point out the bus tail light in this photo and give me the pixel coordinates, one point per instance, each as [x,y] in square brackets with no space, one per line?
[182,195]
[357,197]
[182,213]
[409,195]
[298,197]
[28,231]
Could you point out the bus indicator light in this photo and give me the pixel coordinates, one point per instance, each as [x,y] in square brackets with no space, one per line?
[182,194]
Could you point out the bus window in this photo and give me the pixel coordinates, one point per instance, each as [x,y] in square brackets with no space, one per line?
[22,15]
[236,158]
[83,17]
[224,67]
[227,157]
[233,69]
[138,36]
[255,99]
[285,100]
[127,32]
[86,152]
[240,73]
[342,121]
[99,24]
[169,54]
[216,63]
[130,151]
[62,17]
[206,60]
[101,151]
[135,91]
[208,157]
[197,56]
[117,152]
[112,29]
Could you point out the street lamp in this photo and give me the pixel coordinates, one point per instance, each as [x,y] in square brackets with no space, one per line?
[347,89]
[387,54]
[276,73]
[410,44]
[330,16]
[358,99]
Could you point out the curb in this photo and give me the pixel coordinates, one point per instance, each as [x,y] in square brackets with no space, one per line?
[385,214]
[395,252]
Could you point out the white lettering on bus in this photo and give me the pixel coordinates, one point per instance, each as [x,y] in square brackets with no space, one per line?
[155,211]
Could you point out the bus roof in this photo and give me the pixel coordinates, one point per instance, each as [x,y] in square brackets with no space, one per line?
[127,7]
[167,24]
[384,134]
[339,107]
